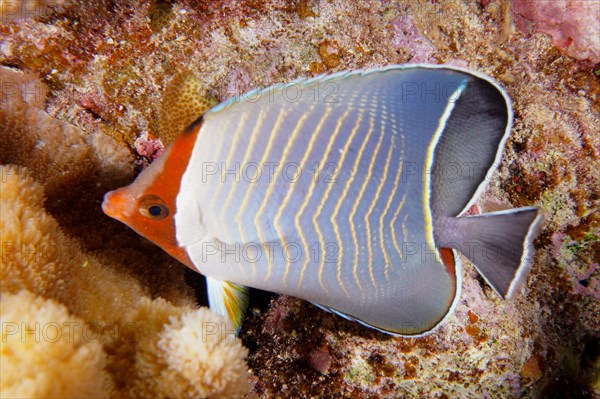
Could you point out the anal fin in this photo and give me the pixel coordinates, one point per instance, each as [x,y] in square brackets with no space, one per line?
[228,299]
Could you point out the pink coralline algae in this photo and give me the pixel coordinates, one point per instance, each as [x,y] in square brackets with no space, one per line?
[407,36]
[574,25]
[148,147]
[320,360]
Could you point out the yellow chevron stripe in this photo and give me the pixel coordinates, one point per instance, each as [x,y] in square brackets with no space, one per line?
[232,149]
[253,136]
[311,188]
[274,132]
[288,195]
[305,246]
[377,193]
[394,189]
[373,202]
[393,224]
[386,210]
[336,229]
[230,195]
[355,207]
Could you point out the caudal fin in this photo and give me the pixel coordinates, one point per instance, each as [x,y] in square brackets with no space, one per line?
[499,245]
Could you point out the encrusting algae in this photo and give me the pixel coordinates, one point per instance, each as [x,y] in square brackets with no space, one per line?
[107,67]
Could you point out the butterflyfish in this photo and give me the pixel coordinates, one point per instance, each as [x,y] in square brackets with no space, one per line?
[347,190]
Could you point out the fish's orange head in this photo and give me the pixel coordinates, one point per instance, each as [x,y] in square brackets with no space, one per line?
[148,205]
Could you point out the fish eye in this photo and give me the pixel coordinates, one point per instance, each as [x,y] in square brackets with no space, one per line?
[155,210]
[153,207]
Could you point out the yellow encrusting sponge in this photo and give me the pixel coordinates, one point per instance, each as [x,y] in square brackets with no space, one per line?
[184,101]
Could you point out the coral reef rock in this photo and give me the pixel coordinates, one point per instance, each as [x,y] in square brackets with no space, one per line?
[574,25]
[92,90]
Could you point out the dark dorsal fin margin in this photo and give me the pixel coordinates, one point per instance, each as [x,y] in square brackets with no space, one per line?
[194,125]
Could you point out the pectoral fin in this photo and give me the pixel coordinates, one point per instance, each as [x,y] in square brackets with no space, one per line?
[228,299]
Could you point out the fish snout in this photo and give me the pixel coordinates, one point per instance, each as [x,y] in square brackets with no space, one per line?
[118,204]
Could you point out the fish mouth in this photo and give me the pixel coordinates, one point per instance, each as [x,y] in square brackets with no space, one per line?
[117,204]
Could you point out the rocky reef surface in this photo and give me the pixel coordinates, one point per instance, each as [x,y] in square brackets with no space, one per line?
[92,91]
